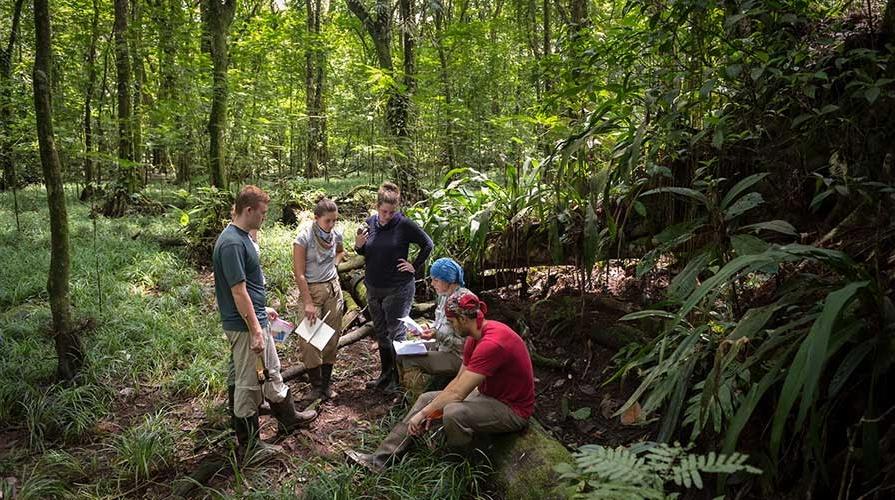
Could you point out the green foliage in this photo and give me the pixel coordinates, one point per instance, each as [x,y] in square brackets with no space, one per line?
[644,470]
[796,340]
[204,222]
[144,449]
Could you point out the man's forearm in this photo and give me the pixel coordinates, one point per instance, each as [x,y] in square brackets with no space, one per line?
[247,311]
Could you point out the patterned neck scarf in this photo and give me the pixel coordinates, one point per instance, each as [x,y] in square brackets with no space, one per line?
[324,239]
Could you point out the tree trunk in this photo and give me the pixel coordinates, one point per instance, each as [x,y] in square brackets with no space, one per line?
[449,153]
[548,84]
[887,28]
[6,143]
[89,159]
[123,67]
[398,105]
[315,75]
[68,343]
[136,47]
[218,15]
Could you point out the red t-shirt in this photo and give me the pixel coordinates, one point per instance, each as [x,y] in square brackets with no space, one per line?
[501,356]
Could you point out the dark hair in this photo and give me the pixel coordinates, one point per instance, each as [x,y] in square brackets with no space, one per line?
[325,206]
[250,196]
[388,193]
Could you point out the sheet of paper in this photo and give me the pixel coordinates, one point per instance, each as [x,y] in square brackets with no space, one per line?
[281,329]
[411,324]
[411,347]
[317,335]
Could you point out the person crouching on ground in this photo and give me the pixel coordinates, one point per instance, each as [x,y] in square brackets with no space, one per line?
[241,298]
[447,277]
[316,252]
[492,393]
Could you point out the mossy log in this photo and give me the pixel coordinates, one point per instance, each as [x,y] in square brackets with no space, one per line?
[524,464]
[617,336]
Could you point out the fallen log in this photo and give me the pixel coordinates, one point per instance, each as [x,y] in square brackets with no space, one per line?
[545,362]
[617,336]
[349,338]
[351,263]
[524,464]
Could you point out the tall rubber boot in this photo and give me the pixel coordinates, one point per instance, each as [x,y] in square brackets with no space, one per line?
[388,370]
[315,377]
[288,420]
[252,450]
[326,388]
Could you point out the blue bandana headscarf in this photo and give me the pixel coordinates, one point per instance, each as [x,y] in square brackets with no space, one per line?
[447,270]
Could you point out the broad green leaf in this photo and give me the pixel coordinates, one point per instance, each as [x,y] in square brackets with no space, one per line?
[647,313]
[739,187]
[871,94]
[640,208]
[801,119]
[689,193]
[753,397]
[581,413]
[746,244]
[743,205]
[753,321]
[779,226]
[848,366]
[684,283]
[804,374]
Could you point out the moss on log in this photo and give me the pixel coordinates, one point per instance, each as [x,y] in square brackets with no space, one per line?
[524,464]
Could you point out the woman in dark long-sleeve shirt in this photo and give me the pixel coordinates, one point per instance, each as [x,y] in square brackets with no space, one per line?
[389,278]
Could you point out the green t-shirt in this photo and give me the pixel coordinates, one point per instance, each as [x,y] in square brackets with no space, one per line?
[236,260]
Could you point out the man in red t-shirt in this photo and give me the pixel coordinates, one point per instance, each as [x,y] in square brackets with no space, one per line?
[492,393]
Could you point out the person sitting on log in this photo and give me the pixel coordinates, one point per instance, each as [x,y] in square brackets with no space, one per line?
[316,252]
[492,393]
[447,277]
[241,298]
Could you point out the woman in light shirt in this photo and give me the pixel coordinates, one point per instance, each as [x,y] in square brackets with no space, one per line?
[316,252]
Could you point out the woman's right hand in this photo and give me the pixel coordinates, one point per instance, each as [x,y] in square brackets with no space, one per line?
[427,334]
[361,238]
[311,313]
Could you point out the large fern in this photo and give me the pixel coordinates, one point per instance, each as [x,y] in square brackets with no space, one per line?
[644,470]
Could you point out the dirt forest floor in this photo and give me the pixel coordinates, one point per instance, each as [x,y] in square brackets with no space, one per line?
[554,317]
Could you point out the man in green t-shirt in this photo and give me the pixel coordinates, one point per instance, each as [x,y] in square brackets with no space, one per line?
[241,297]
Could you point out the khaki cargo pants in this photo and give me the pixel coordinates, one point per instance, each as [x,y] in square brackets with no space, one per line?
[477,414]
[438,363]
[242,370]
[327,296]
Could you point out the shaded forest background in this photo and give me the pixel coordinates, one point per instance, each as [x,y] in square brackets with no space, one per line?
[732,161]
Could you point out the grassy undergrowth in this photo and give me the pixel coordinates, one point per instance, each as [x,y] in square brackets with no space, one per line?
[154,337]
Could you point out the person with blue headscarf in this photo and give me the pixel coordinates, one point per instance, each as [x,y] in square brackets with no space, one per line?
[447,355]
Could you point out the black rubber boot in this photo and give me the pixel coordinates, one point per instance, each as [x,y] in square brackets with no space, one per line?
[251,449]
[315,377]
[288,420]
[389,372]
[326,388]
